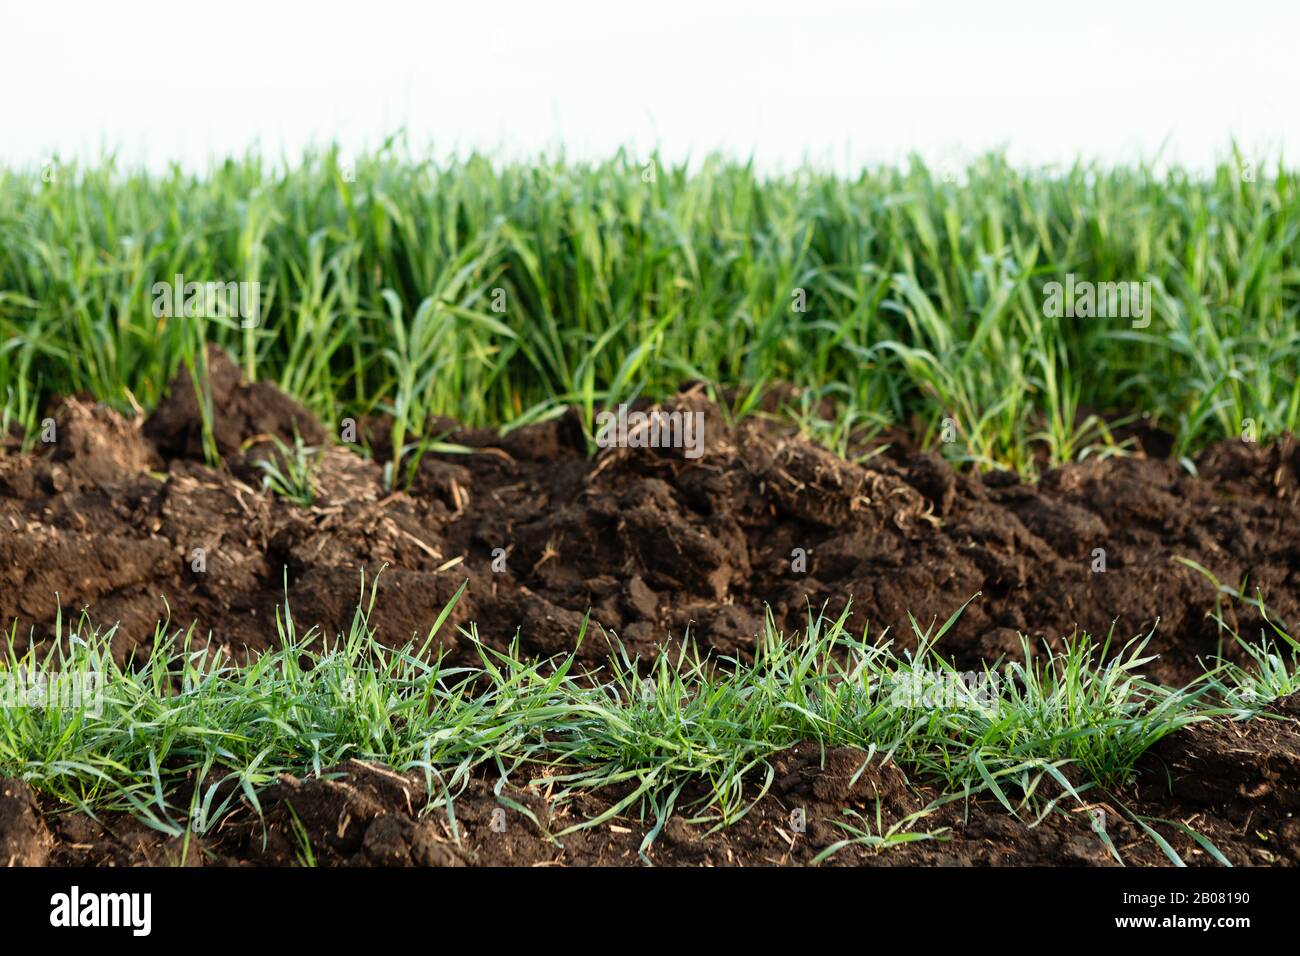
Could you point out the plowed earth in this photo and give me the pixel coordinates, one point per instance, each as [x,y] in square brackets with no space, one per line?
[112,515]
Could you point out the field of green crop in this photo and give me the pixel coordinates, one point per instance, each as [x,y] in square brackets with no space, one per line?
[499,293]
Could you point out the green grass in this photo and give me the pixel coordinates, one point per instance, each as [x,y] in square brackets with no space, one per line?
[500,292]
[290,472]
[684,734]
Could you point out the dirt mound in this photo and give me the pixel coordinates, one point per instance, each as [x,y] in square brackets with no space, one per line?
[84,446]
[24,840]
[96,447]
[360,814]
[1247,770]
[1235,783]
[1272,470]
[240,413]
[653,542]
[657,544]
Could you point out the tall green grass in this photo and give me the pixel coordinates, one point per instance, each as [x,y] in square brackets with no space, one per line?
[923,296]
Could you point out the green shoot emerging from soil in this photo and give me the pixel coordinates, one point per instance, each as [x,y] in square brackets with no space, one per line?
[289,473]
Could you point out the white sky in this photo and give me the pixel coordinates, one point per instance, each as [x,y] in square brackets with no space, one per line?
[836,83]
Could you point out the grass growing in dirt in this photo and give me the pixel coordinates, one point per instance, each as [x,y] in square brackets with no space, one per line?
[290,472]
[498,293]
[183,720]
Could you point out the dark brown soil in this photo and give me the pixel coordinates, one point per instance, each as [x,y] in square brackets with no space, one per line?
[108,519]
[1234,783]
[652,543]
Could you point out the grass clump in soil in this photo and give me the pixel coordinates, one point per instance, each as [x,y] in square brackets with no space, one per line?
[181,736]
